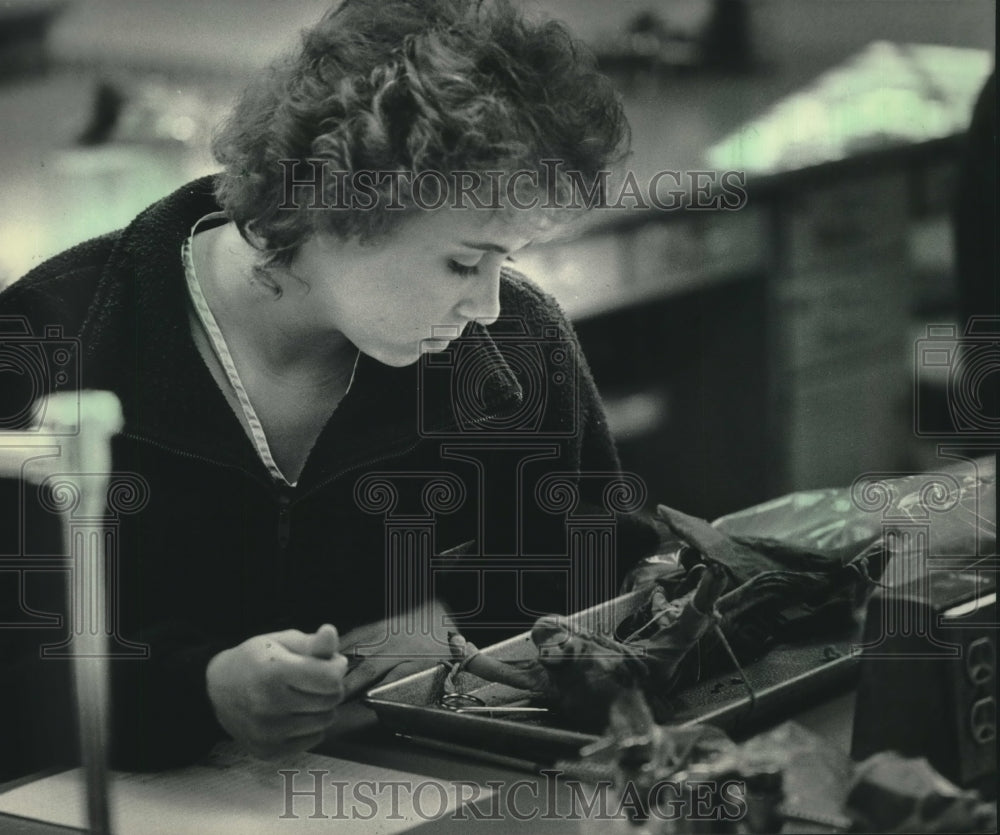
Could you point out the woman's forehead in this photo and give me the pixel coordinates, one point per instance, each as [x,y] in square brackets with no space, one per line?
[492,229]
[507,228]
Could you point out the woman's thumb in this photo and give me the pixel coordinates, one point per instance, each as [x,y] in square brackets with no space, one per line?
[324,642]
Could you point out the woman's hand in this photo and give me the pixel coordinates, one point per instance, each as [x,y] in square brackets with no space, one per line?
[276,694]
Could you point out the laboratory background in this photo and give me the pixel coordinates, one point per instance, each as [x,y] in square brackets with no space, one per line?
[785,319]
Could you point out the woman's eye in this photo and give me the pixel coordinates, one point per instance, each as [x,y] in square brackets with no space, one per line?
[462,269]
[465,270]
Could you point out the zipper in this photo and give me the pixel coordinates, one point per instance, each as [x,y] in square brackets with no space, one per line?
[284,522]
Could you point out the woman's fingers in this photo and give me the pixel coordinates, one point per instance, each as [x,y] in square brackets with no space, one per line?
[291,640]
[308,664]
[277,693]
[325,642]
[317,676]
[299,701]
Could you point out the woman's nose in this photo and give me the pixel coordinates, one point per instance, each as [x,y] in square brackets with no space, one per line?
[482,301]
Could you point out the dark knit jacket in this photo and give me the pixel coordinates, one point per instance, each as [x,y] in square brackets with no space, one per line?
[219,552]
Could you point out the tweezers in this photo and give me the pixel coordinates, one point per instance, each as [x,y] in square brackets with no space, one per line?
[504,709]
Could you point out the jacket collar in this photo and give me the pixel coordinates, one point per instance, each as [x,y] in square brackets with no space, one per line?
[137,342]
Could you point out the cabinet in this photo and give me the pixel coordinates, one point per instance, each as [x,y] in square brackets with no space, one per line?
[840,297]
[745,354]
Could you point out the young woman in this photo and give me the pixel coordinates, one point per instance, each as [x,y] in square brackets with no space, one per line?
[319,348]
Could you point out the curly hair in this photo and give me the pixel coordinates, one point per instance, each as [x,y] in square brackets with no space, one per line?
[410,86]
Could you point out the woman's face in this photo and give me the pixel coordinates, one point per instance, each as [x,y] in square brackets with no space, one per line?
[413,291]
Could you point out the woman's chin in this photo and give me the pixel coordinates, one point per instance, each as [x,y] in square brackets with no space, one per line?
[400,358]
[434,346]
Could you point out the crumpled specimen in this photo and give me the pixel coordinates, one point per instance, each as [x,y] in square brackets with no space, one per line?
[814,786]
[774,591]
[892,793]
[730,589]
[588,670]
[815,774]
[581,673]
[769,573]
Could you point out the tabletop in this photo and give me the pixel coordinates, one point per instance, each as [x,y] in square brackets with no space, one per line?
[516,797]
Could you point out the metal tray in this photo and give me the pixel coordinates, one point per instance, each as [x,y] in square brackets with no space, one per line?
[786,678]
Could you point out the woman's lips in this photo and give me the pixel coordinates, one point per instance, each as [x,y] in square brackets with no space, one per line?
[442,336]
